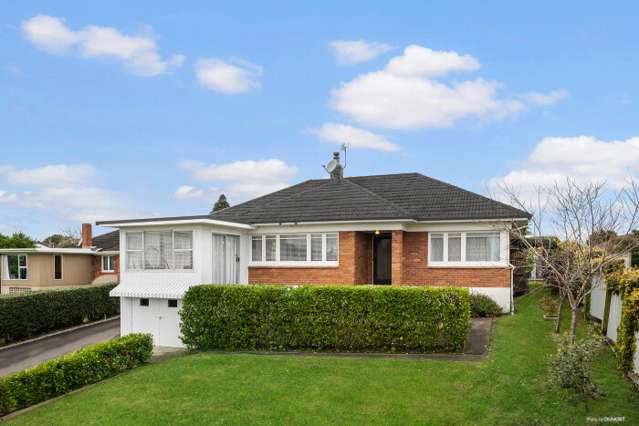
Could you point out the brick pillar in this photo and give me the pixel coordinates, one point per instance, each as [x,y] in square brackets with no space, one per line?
[397,257]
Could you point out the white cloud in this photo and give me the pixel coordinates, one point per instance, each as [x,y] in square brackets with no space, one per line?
[228,78]
[583,159]
[242,179]
[138,53]
[348,52]
[545,99]
[69,191]
[354,137]
[418,61]
[408,93]
[188,192]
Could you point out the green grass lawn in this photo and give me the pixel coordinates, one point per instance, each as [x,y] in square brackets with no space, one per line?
[507,388]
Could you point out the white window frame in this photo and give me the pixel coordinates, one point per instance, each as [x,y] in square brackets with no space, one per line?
[61,267]
[110,262]
[26,267]
[173,250]
[503,255]
[295,263]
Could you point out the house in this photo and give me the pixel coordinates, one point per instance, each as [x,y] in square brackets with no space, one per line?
[94,261]
[399,229]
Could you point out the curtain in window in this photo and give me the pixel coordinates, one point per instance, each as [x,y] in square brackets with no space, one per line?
[226,250]
[134,250]
[332,247]
[183,250]
[316,247]
[482,247]
[256,249]
[158,250]
[454,247]
[271,248]
[293,247]
[437,247]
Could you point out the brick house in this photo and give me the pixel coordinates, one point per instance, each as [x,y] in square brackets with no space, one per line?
[399,229]
[93,261]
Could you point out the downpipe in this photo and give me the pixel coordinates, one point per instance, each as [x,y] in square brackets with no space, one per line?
[512,288]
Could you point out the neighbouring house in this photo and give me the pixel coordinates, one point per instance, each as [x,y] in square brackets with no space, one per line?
[94,261]
[399,229]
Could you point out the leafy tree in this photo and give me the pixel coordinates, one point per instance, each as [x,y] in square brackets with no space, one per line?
[220,204]
[61,241]
[17,240]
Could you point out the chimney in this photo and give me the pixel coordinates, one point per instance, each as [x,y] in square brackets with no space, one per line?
[87,240]
[338,171]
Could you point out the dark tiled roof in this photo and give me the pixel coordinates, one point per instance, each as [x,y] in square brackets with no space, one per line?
[107,242]
[396,196]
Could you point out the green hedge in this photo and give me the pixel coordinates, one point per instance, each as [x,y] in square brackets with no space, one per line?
[337,318]
[72,371]
[26,315]
[484,306]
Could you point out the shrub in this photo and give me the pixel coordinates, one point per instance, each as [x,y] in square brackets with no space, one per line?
[569,368]
[483,306]
[26,315]
[338,318]
[72,371]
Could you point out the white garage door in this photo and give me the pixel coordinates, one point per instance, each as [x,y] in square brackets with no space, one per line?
[160,318]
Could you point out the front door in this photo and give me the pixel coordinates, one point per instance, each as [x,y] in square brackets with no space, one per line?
[382,259]
[226,259]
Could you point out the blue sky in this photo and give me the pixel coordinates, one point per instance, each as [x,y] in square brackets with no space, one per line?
[146,108]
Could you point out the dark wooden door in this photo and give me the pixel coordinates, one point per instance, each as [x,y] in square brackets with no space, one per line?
[382,259]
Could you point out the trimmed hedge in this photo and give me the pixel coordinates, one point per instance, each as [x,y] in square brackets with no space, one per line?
[484,306]
[338,318]
[26,315]
[72,371]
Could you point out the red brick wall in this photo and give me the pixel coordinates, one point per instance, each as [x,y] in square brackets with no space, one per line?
[417,272]
[97,267]
[350,248]
[363,258]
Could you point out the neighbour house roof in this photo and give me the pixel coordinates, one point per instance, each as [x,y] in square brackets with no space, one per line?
[107,242]
[405,196]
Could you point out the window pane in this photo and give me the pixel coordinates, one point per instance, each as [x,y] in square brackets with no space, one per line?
[454,247]
[134,241]
[316,247]
[184,259]
[437,247]
[482,247]
[57,267]
[293,247]
[271,247]
[332,247]
[134,259]
[22,260]
[158,250]
[12,264]
[256,249]
[183,240]
[23,273]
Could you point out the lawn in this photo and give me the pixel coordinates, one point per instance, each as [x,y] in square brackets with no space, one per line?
[507,388]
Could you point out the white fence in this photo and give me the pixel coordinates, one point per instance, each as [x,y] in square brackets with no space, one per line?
[611,323]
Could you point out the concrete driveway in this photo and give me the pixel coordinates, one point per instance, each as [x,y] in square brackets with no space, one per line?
[30,354]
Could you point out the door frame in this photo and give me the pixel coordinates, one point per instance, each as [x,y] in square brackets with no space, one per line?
[384,236]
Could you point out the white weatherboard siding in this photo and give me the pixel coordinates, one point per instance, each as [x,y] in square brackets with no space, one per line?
[158,319]
[501,295]
[614,317]
[598,298]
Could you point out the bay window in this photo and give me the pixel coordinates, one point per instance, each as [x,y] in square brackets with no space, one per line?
[159,250]
[295,249]
[464,248]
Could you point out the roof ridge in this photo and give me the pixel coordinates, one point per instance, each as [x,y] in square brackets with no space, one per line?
[395,206]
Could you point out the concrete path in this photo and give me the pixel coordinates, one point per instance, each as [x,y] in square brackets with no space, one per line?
[29,354]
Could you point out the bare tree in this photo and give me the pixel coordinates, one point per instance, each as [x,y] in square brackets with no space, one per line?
[575,213]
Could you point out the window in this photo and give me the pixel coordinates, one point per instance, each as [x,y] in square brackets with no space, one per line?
[256,249]
[464,248]
[293,247]
[172,303]
[313,248]
[57,267]
[482,247]
[437,247]
[17,267]
[144,302]
[108,263]
[159,250]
